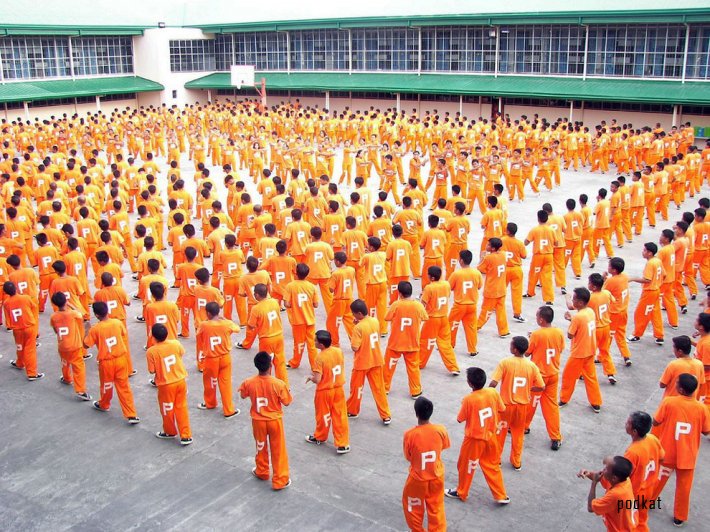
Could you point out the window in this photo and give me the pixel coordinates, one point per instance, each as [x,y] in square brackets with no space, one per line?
[34,57]
[196,55]
[117,97]
[319,50]
[266,50]
[385,49]
[459,49]
[102,55]
[698,66]
[541,50]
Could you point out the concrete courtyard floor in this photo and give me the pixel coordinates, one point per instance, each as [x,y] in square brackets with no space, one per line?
[64,465]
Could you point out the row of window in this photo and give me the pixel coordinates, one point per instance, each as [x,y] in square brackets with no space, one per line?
[640,50]
[70,101]
[54,57]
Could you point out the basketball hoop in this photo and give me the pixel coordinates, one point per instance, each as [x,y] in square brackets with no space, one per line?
[243,76]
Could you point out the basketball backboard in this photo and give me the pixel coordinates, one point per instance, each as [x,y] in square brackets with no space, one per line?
[242,75]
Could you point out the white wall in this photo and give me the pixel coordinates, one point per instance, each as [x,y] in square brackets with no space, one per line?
[81,109]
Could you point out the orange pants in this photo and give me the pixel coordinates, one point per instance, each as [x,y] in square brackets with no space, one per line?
[683,484]
[548,404]
[619,321]
[476,195]
[331,410]
[325,293]
[452,258]
[648,309]
[172,401]
[73,369]
[271,431]
[573,253]
[603,335]
[587,247]
[668,300]
[513,418]
[376,301]
[340,314]
[274,345]
[541,268]
[602,236]
[617,229]
[415,258]
[26,349]
[497,305]
[430,261]
[464,315]
[573,369]
[559,265]
[437,331]
[420,496]
[113,373]
[650,206]
[44,283]
[678,290]
[516,187]
[359,278]
[304,337]
[230,291]
[376,379]
[218,373]
[701,258]
[187,306]
[637,219]
[662,205]
[514,278]
[486,455]
[411,360]
[392,283]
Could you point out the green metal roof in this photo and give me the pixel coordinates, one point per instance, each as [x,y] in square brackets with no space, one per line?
[32,91]
[557,88]
[29,29]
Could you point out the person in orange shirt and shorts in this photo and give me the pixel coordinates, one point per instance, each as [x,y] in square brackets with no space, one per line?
[374,265]
[328,374]
[433,242]
[165,362]
[342,285]
[68,324]
[187,281]
[458,228]
[465,283]
[542,237]
[518,378]
[648,307]
[301,301]
[21,318]
[600,302]
[617,283]
[268,396]
[493,267]
[398,265]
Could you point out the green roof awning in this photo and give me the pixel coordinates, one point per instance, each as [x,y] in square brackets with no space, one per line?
[557,88]
[32,91]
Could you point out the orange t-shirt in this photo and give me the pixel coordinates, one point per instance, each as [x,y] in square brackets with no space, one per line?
[165,312]
[330,363]
[69,326]
[574,223]
[382,229]
[517,376]
[366,344]
[618,286]
[374,264]
[267,394]
[165,361]
[545,349]
[110,338]
[481,411]
[206,294]
[493,267]
[420,443]
[601,213]
[435,298]
[318,258]
[600,303]
[465,283]
[458,229]
[583,331]
[398,253]
[608,506]
[407,317]
[282,270]
[248,281]
[410,220]
[20,311]
[433,242]
[542,238]
[645,456]
[26,280]
[297,235]
[301,300]
[682,421]
[667,257]
[492,223]
[342,283]
[514,251]
[116,300]
[185,278]
[214,337]
[677,367]
[354,244]
[230,263]
[653,271]
[265,317]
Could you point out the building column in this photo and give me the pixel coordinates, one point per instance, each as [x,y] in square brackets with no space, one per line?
[399,107]
[674,122]
[571,110]
[327,100]
[209,95]
[461,104]
[27,109]
[98,103]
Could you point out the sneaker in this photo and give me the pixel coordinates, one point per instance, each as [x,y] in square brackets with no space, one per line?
[235,413]
[64,381]
[13,363]
[140,319]
[387,421]
[343,450]
[577,277]
[561,403]
[634,338]
[180,335]
[596,408]
[202,406]
[455,373]
[473,354]
[253,472]
[612,380]
[383,335]
[88,356]
[240,345]
[152,383]
[312,439]
[503,501]
[627,362]
[597,361]
[288,366]
[692,298]
[97,406]
[564,291]
[519,318]
[84,396]
[517,468]
[415,396]
[592,265]
[683,309]
[452,494]
[134,420]
[37,344]
[556,444]
[36,377]
[528,295]
[659,341]
[164,435]
[353,416]
[134,372]
[185,441]
[549,303]
[678,522]
[526,431]
[286,486]
[673,327]
[504,335]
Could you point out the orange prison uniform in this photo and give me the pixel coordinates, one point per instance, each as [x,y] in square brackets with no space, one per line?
[230,267]
[214,345]
[515,252]
[165,361]
[458,229]
[407,317]
[648,307]
[645,456]
[367,362]
[46,256]
[682,258]
[265,322]
[398,265]
[376,286]
[424,489]
[329,397]
[702,353]
[587,234]
[111,340]
[543,240]
[301,300]
[493,267]
[516,376]
[342,285]
[608,504]
[69,327]
[165,312]
[205,293]
[667,257]
[465,283]
[574,224]
[618,286]
[545,349]
[411,222]
[602,228]
[186,280]
[318,256]
[433,242]
[677,367]
[600,302]
[21,318]
[682,420]
[282,270]
[437,329]
[268,395]
[559,226]
[481,410]
[247,282]
[583,349]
